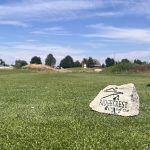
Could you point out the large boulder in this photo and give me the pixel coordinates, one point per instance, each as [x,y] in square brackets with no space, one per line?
[118,100]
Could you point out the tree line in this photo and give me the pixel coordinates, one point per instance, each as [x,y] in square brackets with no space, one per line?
[68,62]
[111,62]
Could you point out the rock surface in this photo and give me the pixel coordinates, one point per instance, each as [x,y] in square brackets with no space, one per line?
[118,100]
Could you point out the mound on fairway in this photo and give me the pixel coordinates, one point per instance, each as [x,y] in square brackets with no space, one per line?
[41,67]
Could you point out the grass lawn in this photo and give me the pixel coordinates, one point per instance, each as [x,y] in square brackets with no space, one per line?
[42,111]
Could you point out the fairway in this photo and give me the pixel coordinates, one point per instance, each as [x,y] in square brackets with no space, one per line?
[40,111]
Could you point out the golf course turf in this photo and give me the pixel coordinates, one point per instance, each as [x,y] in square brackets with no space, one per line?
[44,111]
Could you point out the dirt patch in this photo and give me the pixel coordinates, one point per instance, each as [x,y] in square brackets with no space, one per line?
[44,68]
[38,67]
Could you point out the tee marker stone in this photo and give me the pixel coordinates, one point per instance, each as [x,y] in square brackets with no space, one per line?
[118,100]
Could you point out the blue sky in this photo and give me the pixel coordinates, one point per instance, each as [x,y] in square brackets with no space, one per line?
[80,28]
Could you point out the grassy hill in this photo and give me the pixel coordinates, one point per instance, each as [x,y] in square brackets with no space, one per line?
[51,111]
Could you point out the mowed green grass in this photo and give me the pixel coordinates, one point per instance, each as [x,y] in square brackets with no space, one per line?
[40,111]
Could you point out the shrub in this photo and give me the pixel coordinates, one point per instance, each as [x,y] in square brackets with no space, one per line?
[122,67]
[119,67]
[20,63]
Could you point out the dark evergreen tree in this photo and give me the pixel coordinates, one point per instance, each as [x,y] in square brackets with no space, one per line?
[77,64]
[35,60]
[67,62]
[125,60]
[2,63]
[137,61]
[50,60]
[90,62]
[109,62]
[103,66]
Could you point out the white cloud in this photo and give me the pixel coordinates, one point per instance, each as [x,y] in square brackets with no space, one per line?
[51,30]
[71,9]
[32,9]
[108,14]
[139,7]
[140,54]
[143,55]
[9,52]
[133,7]
[12,51]
[117,33]
[31,40]
[54,10]
[13,23]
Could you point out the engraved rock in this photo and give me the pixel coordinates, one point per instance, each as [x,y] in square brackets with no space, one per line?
[118,100]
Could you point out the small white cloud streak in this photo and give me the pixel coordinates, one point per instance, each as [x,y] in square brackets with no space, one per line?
[116,33]
[13,23]
[50,30]
[108,14]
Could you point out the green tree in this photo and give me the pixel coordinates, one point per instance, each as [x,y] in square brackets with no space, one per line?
[90,62]
[137,61]
[20,63]
[2,63]
[50,60]
[125,60]
[103,65]
[35,60]
[109,62]
[67,62]
[77,64]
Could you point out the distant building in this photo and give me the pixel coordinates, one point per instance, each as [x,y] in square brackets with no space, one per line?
[85,66]
[84,63]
